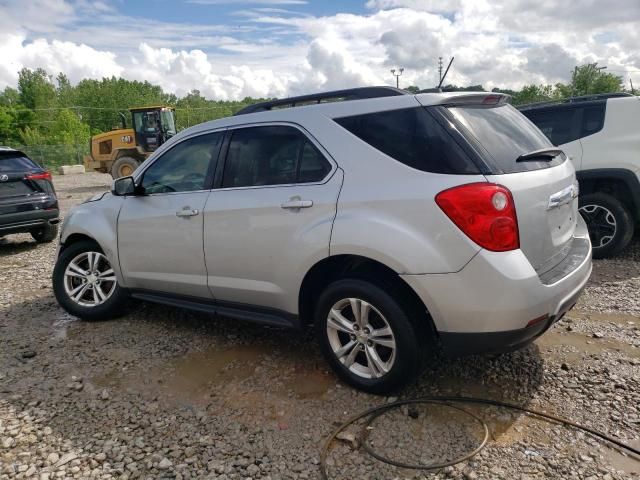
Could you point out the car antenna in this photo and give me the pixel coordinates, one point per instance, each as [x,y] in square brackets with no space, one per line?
[445,74]
[438,89]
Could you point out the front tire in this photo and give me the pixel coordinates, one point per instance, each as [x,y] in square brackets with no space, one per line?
[609,222]
[85,284]
[124,167]
[45,234]
[366,336]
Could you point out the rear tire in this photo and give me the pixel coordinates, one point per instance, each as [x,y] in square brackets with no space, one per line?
[609,222]
[85,285]
[124,167]
[45,234]
[376,363]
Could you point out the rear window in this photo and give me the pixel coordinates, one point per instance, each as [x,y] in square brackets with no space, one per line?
[413,137]
[16,164]
[505,134]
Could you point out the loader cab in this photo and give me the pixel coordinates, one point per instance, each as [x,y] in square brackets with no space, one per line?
[153,126]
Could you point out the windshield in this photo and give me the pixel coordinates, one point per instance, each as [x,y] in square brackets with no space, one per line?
[505,134]
[168,122]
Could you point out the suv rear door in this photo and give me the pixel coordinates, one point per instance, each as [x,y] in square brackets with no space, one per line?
[278,190]
[544,188]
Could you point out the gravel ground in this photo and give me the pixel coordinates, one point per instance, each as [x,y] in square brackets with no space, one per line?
[164,393]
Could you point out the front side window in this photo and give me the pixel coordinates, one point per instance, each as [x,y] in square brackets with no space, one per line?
[273,155]
[185,167]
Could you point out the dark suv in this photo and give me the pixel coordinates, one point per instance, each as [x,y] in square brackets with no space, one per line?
[28,201]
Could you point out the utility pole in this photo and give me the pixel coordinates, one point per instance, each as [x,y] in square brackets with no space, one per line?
[397,75]
[439,70]
[633,92]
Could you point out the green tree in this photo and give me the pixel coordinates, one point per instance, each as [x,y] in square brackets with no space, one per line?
[8,131]
[589,79]
[35,89]
[413,89]
[68,129]
[533,94]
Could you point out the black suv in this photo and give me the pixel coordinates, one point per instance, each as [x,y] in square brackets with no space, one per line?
[28,201]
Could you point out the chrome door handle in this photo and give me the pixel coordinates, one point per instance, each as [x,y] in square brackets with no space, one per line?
[293,204]
[187,212]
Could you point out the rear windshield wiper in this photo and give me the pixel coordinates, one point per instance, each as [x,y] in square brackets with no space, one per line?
[542,155]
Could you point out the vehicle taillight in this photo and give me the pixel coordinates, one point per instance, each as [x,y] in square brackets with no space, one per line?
[39,176]
[485,212]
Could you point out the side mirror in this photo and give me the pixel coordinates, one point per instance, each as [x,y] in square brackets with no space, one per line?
[123,186]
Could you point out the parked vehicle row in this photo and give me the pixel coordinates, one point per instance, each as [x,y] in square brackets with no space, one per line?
[600,135]
[388,221]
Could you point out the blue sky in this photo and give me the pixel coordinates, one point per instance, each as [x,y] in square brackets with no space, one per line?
[236,48]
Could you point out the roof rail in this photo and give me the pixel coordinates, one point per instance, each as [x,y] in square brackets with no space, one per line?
[336,95]
[582,98]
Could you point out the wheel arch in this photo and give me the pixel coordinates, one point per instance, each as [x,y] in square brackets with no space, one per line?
[332,268]
[622,184]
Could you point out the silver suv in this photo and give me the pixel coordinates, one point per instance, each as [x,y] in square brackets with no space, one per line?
[390,222]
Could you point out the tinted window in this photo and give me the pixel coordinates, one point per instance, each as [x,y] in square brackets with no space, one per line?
[313,166]
[559,125]
[505,134]
[16,164]
[276,155]
[592,119]
[413,137]
[185,167]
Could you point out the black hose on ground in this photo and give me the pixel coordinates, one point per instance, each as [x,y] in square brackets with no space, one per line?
[448,401]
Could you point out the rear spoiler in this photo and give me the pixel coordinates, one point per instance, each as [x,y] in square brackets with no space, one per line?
[479,99]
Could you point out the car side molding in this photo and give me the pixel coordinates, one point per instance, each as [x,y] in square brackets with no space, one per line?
[238,311]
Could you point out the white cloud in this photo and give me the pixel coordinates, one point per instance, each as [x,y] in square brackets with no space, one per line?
[276,52]
[77,61]
[248,2]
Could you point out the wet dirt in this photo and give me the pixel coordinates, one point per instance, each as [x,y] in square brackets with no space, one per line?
[575,347]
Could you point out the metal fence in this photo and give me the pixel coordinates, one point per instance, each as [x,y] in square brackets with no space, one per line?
[52,156]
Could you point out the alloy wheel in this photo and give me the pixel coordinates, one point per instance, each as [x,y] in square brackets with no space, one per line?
[89,279]
[601,224]
[361,338]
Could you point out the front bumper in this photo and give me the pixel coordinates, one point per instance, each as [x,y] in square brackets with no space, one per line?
[487,306]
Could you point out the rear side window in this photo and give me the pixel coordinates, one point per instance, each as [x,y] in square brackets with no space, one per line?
[558,125]
[273,155]
[505,134]
[413,137]
[16,164]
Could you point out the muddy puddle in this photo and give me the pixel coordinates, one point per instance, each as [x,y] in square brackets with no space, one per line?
[615,318]
[197,376]
[62,323]
[581,346]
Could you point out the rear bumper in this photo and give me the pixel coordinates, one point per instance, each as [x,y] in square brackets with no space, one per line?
[26,221]
[487,306]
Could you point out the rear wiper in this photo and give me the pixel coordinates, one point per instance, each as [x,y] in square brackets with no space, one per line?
[544,155]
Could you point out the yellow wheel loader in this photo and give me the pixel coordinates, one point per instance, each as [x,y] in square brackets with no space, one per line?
[120,151]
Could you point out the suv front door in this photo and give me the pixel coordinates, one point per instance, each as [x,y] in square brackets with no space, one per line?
[271,218]
[160,230]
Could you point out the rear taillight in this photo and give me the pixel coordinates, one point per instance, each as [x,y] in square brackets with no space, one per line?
[39,176]
[485,212]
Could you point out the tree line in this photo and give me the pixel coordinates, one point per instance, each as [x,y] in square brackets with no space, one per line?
[44,110]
